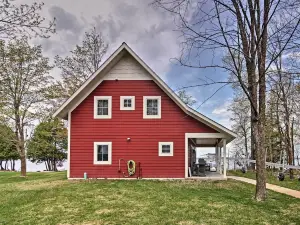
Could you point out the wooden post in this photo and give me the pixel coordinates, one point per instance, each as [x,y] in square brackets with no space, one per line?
[224,159]
[216,157]
[220,159]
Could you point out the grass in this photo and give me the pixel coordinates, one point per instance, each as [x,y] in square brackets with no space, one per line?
[271,178]
[48,198]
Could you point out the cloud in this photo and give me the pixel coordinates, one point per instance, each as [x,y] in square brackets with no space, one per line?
[65,20]
[222,114]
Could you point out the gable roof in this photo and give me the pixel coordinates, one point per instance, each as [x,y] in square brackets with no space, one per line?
[96,78]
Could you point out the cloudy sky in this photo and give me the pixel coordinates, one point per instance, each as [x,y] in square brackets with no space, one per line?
[150,32]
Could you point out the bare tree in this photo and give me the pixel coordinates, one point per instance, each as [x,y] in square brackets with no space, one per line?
[186,98]
[242,29]
[84,60]
[23,19]
[282,82]
[241,118]
[24,80]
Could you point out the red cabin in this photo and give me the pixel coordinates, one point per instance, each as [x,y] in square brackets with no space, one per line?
[125,122]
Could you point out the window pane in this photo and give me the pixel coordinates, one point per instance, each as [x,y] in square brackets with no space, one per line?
[105,157]
[100,103]
[100,111]
[105,111]
[154,111]
[149,102]
[105,103]
[149,111]
[99,157]
[104,149]
[166,149]
[154,103]
[102,153]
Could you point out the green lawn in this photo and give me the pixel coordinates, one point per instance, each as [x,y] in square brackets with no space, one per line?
[271,178]
[48,198]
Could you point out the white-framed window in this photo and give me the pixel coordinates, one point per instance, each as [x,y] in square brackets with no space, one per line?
[127,103]
[102,153]
[102,107]
[165,148]
[152,107]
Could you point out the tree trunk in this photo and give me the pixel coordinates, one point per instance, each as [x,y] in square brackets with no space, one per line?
[23,163]
[260,194]
[253,147]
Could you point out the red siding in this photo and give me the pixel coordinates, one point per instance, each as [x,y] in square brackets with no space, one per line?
[144,133]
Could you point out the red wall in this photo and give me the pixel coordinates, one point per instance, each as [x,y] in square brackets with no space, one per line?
[144,133]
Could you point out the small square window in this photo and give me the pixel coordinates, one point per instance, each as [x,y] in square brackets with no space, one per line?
[165,148]
[102,107]
[127,103]
[152,107]
[102,153]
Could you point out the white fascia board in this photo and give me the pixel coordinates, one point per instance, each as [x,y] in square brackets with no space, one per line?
[85,84]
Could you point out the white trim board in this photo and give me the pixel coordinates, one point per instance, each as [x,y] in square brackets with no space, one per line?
[96,78]
[69,144]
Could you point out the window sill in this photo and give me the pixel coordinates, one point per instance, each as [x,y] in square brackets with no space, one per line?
[151,117]
[102,117]
[102,163]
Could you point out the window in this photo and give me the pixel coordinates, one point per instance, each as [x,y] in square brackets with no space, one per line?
[102,107]
[165,148]
[127,102]
[102,153]
[152,107]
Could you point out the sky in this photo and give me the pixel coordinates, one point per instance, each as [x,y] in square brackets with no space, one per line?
[149,31]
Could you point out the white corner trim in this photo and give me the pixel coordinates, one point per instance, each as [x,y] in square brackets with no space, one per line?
[145,116]
[122,98]
[69,145]
[160,153]
[96,162]
[96,98]
[206,135]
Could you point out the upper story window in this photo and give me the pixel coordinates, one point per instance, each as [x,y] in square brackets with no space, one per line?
[102,153]
[102,107]
[152,107]
[127,102]
[165,148]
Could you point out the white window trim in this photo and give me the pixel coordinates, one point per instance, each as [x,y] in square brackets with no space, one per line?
[160,153]
[145,116]
[96,162]
[122,98]
[96,98]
